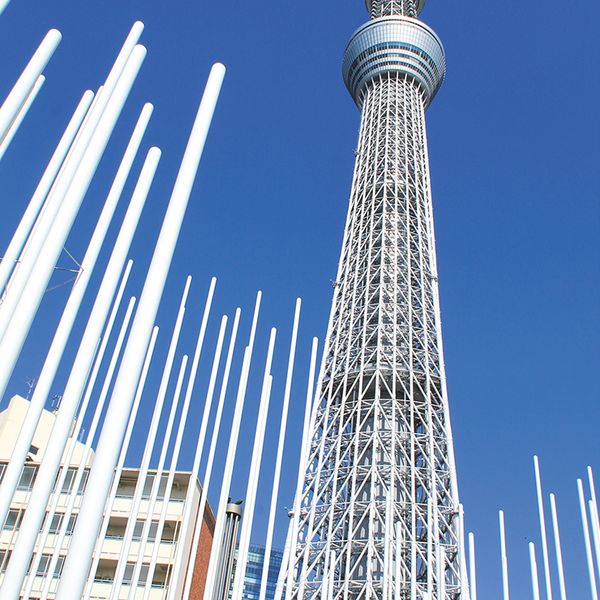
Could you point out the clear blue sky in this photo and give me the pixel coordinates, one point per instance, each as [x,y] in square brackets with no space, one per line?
[514,151]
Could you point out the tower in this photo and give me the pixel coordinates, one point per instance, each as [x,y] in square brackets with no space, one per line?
[379,513]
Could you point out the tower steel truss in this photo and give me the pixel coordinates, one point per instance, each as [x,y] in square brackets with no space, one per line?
[379,513]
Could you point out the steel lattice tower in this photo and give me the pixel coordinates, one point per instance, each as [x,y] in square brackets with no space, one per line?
[379,512]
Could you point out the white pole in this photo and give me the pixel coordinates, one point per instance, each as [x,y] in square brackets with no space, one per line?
[595,523]
[85,458]
[3,5]
[540,500]
[22,88]
[75,174]
[398,563]
[37,274]
[231,451]
[10,134]
[558,548]
[253,477]
[280,448]
[209,464]
[472,567]
[586,537]
[535,584]
[119,469]
[306,432]
[49,467]
[34,207]
[65,326]
[82,543]
[464,584]
[504,557]
[187,523]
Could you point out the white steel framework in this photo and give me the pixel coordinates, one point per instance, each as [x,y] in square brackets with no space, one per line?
[379,510]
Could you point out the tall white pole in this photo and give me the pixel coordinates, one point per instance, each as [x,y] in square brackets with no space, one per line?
[74,177]
[231,452]
[540,501]
[34,207]
[3,5]
[187,523]
[86,530]
[119,469]
[280,448]
[586,538]
[209,465]
[49,467]
[535,584]
[254,475]
[10,134]
[41,270]
[472,567]
[504,557]
[558,549]
[595,523]
[463,554]
[65,326]
[85,459]
[22,88]
[310,395]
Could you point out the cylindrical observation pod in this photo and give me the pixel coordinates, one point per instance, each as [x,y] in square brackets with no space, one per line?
[394,45]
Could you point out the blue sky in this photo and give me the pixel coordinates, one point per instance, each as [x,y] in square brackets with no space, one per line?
[514,151]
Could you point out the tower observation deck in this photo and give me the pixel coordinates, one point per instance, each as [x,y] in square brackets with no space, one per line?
[379,511]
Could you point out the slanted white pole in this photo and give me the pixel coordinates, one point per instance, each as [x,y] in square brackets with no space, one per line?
[472,567]
[10,134]
[302,466]
[137,497]
[209,466]
[119,469]
[28,286]
[280,448]
[46,476]
[535,584]
[3,5]
[558,549]
[254,475]
[586,538]
[22,88]
[595,523]
[504,557]
[86,530]
[462,553]
[540,501]
[187,523]
[74,178]
[86,457]
[34,207]
[65,326]
[231,452]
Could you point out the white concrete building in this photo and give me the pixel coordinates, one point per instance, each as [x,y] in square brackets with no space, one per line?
[11,420]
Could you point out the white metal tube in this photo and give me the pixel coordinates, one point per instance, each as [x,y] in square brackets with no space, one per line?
[209,464]
[23,313]
[540,501]
[231,452]
[535,584]
[37,200]
[558,549]
[504,558]
[595,523]
[119,469]
[280,448]
[22,88]
[72,582]
[254,475]
[86,457]
[10,134]
[306,432]
[76,382]
[586,538]
[74,177]
[463,553]
[3,5]
[472,567]
[70,312]
[187,522]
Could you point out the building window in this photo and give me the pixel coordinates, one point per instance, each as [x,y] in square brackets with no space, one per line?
[56,524]
[70,480]
[28,476]
[13,520]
